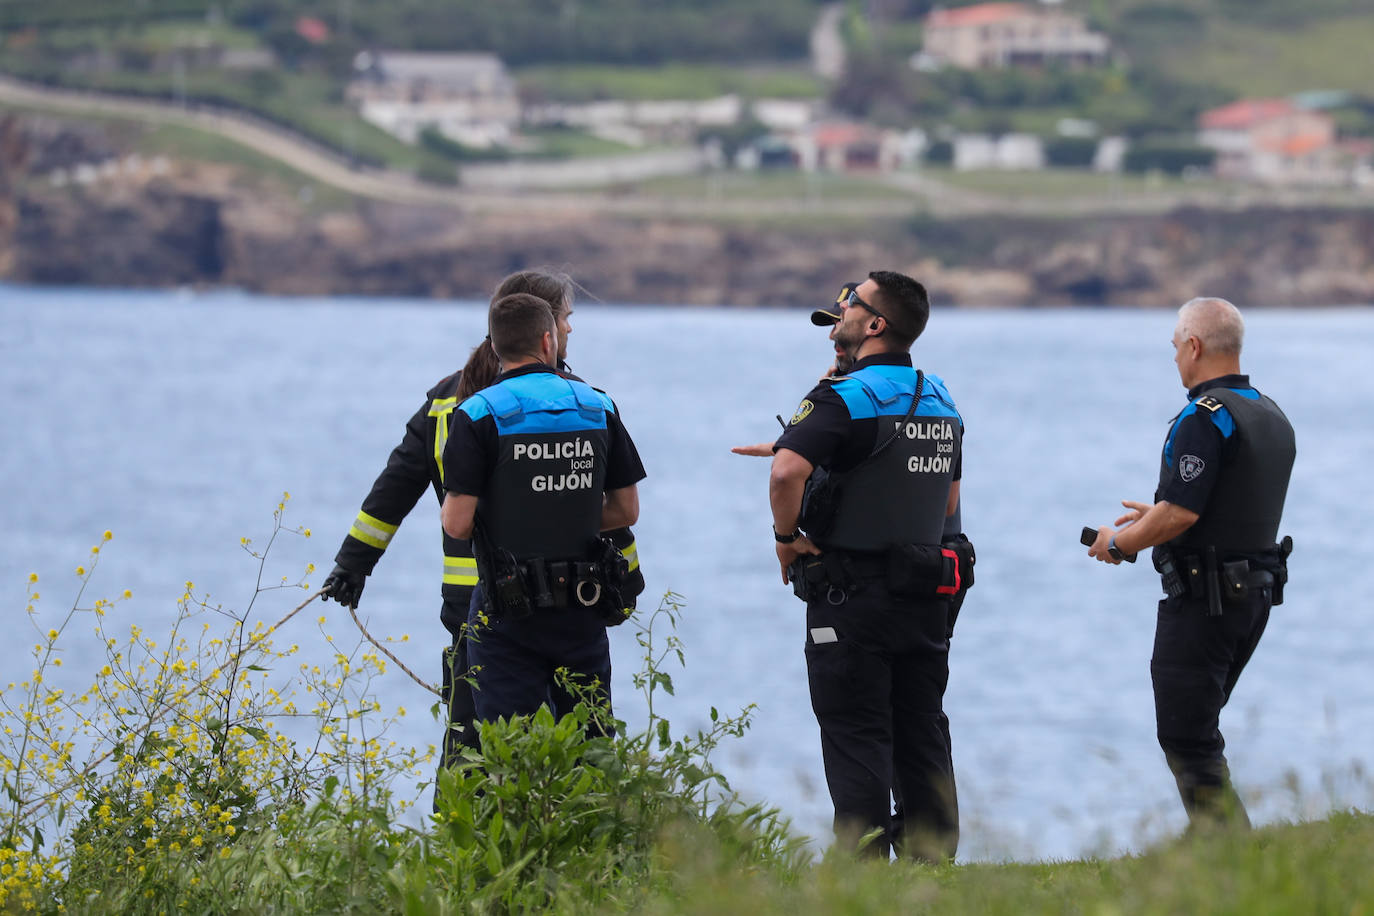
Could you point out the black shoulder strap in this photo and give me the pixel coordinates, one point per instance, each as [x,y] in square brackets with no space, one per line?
[911,411]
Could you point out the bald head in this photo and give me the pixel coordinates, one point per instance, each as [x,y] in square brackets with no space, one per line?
[1215,322]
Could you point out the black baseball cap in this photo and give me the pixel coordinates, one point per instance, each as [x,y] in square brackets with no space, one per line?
[829,314]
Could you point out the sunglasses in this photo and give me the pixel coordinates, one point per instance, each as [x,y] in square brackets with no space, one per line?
[854,300]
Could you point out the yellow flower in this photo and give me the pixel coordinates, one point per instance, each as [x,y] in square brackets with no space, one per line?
[306,532]
[52,634]
[33,577]
[128,594]
[81,570]
[107,535]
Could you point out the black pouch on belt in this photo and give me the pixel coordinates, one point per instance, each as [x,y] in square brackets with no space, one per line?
[1235,580]
[922,570]
[560,581]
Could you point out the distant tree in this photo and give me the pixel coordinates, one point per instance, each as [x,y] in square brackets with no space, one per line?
[734,137]
[1070,152]
[941,152]
[1171,158]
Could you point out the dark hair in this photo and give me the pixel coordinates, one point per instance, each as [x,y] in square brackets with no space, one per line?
[517,324]
[905,303]
[481,370]
[553,286]
[483,365]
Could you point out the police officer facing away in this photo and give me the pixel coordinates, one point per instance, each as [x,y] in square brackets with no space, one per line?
[537,466]
[862,481]
[413,467]
[1213,526]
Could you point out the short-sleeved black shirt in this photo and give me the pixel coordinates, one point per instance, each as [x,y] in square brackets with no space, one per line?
[1200,442]
[472,447]
[823,433]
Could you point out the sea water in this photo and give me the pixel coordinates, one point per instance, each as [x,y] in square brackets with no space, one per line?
[177,420]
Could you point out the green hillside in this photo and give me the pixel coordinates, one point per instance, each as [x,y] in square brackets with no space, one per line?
[1171,59]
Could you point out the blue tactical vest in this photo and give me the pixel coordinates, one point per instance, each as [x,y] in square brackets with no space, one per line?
[1243,511]
[899,496]
[544,496]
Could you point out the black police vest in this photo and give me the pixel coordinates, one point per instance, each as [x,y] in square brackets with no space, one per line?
[899,496]
[1242,514]
[544,496]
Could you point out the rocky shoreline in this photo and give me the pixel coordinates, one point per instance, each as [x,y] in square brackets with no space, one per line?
[204,226]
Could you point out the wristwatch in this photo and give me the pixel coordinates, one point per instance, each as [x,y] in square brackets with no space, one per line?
[1113,551]
[786,538]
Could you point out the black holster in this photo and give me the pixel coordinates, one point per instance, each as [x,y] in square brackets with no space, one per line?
[827,575]
[1219,577]
[820,502]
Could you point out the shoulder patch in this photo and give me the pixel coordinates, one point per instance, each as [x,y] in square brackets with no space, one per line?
[1209,403]
[803,411]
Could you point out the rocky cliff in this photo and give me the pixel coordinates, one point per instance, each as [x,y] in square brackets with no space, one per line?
[203,225]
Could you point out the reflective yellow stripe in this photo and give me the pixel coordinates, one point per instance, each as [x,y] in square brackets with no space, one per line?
[460,571]
[631,553]
[439,409]
[372,531]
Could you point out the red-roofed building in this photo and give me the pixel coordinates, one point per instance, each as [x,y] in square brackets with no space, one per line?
[1273,141]
[1007,34]
[312,30]
[846,146]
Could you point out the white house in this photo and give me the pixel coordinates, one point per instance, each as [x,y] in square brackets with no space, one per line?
[1006,34]
[469,97]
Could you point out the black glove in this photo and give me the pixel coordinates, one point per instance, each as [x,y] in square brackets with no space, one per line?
[344,586]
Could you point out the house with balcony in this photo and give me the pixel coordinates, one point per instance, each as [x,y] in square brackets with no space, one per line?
[992,35]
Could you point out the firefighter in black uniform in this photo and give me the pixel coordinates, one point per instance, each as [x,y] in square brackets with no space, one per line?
[414,466]
[539,466]
[1214,528]
[862,481]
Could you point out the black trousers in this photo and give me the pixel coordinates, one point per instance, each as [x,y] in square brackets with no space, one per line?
[517,661]
[1196,663]
[877,666]
[456,689]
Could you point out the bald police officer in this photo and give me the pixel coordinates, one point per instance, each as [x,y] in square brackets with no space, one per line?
[1214,525]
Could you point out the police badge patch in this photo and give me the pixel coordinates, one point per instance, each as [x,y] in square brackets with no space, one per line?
[803,411]
[1189,466]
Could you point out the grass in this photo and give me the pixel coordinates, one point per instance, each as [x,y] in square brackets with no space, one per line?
[189,143]
[158,36]
[167,785]
[564,143]
[766,185]
[1070,183]
[590,82]
[1304,868]
[179,142]
[307,103]
[1252,61]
